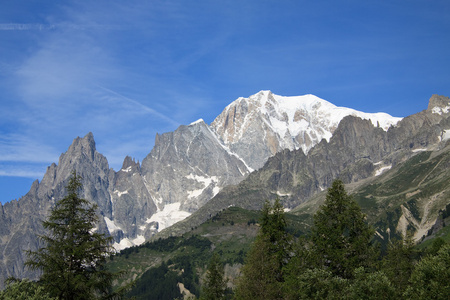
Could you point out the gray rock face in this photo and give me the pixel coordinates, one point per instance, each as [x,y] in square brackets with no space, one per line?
[439,104]
[189,166]
[131,202]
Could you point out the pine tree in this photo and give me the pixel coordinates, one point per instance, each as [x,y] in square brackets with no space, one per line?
[215,284]
[23,289]
[73,259]
[430,278]
[263,273]
[398,264]
[341,237]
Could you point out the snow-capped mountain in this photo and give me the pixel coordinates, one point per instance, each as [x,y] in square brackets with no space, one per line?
[189,166]
[257,127]
[184,170]
[404,172]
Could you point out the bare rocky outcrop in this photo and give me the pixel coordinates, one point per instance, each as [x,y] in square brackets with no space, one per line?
[190,166]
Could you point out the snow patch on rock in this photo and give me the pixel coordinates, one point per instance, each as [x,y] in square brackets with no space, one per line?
[206,181]
[382,170]
[126,170]
[440,110]
[119,193]
[445,135]
[127,243]
[111,225]
[168,216]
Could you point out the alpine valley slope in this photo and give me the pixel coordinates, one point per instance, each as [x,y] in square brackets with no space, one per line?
[184,170]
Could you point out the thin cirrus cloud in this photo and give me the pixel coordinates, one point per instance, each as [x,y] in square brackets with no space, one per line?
[125,71]
[62,66]
[41,26]
[59,87]
[139,106]
[23,148]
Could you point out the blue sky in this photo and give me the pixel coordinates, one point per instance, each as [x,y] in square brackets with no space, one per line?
[126,70]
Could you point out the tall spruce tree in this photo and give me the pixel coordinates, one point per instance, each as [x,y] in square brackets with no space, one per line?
[17,289]
[263,273]
[341,237]
[398,264]
[430,278]
[215,284]
[73,258]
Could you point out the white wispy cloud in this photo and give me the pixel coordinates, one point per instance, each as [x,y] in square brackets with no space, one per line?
[34,172]
[121,71]
[140,106]
[60,26]
[24,148]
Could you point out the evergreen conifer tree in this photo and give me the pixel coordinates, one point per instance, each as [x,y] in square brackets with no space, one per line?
[341,237]
[23,289]
[398,264]
[73,258]
[430,278]
[263,273]
[215,285]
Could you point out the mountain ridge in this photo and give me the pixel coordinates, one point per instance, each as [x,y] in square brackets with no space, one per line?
[357,150]
[185,169]
[282,123]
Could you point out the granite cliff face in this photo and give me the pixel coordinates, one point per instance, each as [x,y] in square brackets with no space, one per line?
[131,205]
[188,167]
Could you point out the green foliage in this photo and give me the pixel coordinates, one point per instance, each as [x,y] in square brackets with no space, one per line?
[161,282]
[436,246]
[258,280]
[370,285]
[273,228]
[157,283]
[341,238]
[24,289]
[73,258]
[431,277]
[214,286]
[301,261]
[319,284]
[263,273]
[398,264]
[171,244]
[410,173]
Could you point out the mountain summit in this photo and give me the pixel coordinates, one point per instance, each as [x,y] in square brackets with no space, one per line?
[257,127]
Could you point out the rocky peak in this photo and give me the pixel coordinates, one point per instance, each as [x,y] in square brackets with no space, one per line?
[82,157]
[84,146]
[257,127]
[439,104]
[188,167]
[130,165]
